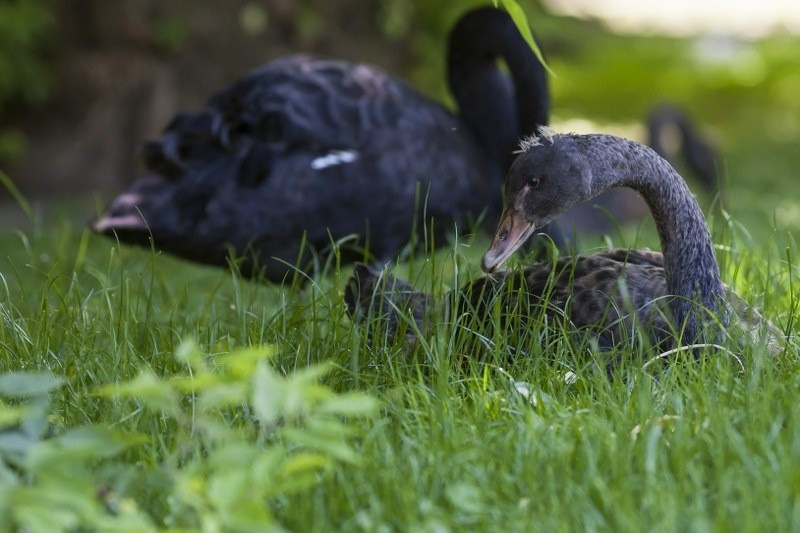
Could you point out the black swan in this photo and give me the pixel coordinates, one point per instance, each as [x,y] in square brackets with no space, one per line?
[302,152]
[676,293]
[671,133]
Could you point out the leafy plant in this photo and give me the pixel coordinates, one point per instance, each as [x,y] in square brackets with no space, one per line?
[46,480]
[244,436]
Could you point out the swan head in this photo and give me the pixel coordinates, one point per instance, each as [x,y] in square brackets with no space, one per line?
[550,175]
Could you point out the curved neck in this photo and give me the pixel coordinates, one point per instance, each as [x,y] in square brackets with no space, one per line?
[690,263]
[497,110]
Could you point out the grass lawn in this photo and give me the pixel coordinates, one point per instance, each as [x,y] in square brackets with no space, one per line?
[142,392]
[512,432]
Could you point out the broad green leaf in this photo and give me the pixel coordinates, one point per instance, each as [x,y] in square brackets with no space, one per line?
[196,382]
[16,443]
[28,384]
[296,483]
[242,363]
[337,448]
[55,507]
[329,427]
[223,395]
[302,390]
[103,441]
[350,404]
[128,518]
[8,477]
[311,374]
[267,462]
[249,514]
[43,517]
[189,353]
[225,488]
[10,416]
[36,420]
[234,454]
[216,429]
[521,21]
[155,393]
[85,443]
[268,399]
[189,488]
[304,462]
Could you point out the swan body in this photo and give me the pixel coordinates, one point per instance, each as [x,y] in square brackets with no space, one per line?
[303,152]
[676,293]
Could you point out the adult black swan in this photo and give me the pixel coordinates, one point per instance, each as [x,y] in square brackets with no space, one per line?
[676,294]
[302,152]
[673,135]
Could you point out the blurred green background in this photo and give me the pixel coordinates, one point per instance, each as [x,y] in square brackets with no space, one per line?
[83,83]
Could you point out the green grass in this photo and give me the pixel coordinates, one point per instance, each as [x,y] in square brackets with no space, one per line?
[454,445]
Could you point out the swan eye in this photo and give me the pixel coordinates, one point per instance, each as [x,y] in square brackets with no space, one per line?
[533,183]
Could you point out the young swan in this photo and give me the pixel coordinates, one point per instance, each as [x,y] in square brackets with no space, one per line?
[676,293]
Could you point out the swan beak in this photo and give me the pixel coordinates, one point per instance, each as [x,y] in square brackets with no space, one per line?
[122,214]
[511,233]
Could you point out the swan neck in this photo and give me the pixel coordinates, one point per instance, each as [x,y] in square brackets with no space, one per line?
[690,263]
[498,110]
